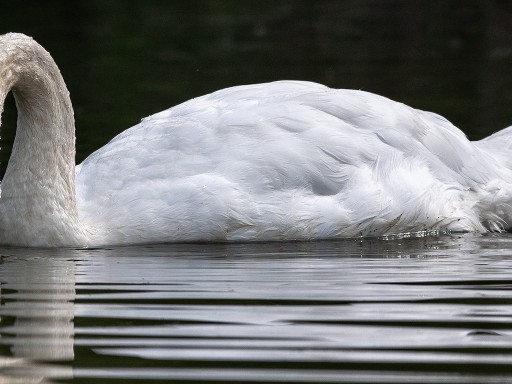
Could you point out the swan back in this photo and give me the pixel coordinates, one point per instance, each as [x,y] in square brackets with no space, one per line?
[290,160]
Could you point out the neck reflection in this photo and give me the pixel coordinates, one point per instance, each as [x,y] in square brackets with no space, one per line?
[36,313]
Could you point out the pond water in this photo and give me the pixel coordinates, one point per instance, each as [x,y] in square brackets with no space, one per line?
[418,310]
[424,310]
[124,60]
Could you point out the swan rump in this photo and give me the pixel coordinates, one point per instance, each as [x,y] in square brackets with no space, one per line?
[287,160]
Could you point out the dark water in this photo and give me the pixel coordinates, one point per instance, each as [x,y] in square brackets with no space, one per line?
[126,59]
[433,310]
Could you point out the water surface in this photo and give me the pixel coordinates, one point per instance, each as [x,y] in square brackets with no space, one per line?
[428,310]
[433,310]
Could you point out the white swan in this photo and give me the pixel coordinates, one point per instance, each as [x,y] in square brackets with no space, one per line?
[279,161]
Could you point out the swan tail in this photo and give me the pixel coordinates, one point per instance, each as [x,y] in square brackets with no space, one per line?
[499,146]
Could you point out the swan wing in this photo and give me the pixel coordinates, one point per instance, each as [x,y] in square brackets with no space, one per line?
[282,160]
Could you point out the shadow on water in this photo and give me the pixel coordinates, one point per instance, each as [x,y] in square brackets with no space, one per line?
[426,310]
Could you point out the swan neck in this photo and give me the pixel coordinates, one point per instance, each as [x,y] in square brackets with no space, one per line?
[39,179]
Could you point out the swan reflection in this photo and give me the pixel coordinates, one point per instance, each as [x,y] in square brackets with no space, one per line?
[36,317]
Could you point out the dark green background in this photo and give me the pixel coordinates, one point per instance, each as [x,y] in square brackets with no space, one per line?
[123,60]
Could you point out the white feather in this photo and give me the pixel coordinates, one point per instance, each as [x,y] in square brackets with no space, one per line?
[286,160]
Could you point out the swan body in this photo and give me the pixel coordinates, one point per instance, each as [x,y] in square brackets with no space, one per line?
[286,160]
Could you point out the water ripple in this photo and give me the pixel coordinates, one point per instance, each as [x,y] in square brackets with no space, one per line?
[430,310]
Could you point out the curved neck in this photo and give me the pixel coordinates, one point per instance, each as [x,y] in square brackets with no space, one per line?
[38,189]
